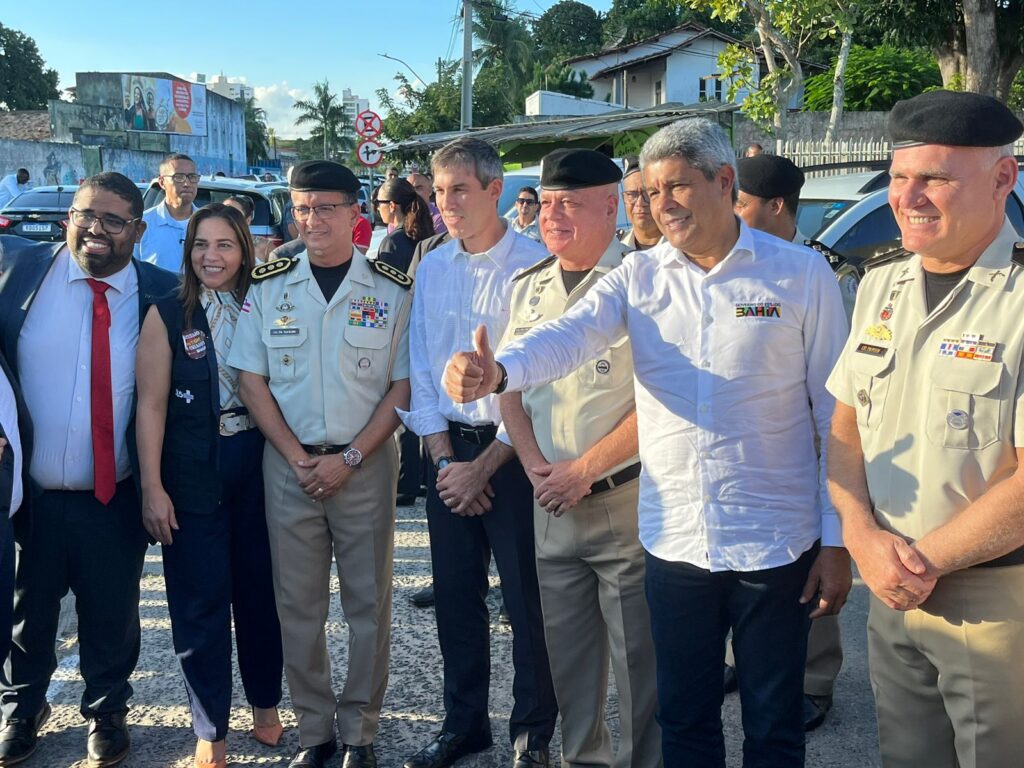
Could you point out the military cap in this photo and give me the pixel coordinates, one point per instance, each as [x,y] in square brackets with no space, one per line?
[953,118]
[632,165]
[769,176]
[322,176]
[577,169]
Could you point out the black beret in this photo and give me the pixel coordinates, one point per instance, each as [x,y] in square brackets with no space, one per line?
[576,169]
[632,165]
[769,176]
[953,118]
[323,176]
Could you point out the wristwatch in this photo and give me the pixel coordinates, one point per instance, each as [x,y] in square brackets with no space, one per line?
[503,382]
[443,462]
[353,457]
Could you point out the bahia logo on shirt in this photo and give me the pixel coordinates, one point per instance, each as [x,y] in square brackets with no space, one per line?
[760,309]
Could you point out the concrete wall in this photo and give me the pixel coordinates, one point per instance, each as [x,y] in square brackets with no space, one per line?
[223,147]
[51,162]
[541,103]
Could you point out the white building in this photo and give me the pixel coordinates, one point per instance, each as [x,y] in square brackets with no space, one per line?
[352,105]
[233,88]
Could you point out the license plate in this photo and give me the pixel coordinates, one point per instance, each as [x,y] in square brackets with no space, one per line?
[35,227]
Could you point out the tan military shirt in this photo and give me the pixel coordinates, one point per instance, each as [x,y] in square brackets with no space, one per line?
[939,397]
[329,364]
[572,414]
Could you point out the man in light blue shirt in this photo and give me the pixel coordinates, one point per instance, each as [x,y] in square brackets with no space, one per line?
[166,223]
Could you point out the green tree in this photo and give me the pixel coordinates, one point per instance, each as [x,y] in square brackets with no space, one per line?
[631,20]
[325,113]
[257,138]
[505,53]
[566,29]
[876,78]
[560,78]
[25,83]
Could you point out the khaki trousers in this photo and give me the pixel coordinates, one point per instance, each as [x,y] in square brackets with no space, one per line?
[357,525]
[824,656]
[591,571]
[948,677]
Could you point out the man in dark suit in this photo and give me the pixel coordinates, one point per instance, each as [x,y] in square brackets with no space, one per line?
[15,446]
[69,326]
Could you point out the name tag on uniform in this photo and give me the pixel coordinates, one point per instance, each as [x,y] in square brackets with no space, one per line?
[368,312]
[760,309]
[195,344]
[872,349]
[284,331]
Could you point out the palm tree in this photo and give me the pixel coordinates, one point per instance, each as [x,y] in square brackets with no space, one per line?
[505,45]
[325,111]
[256,131]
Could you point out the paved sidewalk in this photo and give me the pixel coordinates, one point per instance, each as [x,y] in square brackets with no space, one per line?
[162,737]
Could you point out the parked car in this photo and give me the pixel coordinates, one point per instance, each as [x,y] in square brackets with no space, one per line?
[40,213]
[269,200]
[530,177]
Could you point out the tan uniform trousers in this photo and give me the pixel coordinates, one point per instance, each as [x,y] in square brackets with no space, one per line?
[591,571]
[824,656]
[948,677]
[357,525]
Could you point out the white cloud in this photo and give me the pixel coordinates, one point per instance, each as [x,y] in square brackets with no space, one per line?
[277,100]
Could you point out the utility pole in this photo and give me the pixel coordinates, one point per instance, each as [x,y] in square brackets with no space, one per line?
[467,65]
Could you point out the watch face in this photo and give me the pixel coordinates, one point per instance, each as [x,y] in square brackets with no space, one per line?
[352,457]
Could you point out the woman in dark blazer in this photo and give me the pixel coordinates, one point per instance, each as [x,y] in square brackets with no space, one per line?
[408,219]
[200,457]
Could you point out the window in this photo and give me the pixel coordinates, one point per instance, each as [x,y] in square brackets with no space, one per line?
[703,94]
[718,88]
[876,233]
[657,92]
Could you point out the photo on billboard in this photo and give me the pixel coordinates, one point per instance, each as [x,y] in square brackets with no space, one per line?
[159,105]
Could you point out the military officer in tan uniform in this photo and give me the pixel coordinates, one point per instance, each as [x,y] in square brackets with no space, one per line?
[927,443]
[577,440]
[768,198]
[322,346]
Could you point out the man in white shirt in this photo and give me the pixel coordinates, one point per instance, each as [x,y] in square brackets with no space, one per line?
[733,333]
[164,239]
[479,500]
[12,185]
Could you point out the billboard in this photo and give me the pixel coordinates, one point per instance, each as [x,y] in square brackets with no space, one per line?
[157,105]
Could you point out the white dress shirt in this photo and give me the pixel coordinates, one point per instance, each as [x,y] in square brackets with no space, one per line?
[10,188]
[9,420]
[55,364]
[730,369]
[457,291]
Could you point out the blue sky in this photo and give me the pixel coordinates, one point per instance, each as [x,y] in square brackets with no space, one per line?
[279,48]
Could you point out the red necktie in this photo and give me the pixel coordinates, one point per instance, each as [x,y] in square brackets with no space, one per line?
[104,468]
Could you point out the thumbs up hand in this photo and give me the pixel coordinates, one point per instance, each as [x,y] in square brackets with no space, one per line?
[472,375]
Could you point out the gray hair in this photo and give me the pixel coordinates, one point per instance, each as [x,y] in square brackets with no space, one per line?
[699,142]
[475,154]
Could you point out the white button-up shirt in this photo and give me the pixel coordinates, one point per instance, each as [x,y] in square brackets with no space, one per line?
[9,420]
[730,369]
[55,365]
[457,291]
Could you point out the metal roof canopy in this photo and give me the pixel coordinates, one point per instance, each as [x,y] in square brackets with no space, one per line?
[617,133]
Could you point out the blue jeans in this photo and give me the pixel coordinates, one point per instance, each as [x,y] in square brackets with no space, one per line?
[692,610]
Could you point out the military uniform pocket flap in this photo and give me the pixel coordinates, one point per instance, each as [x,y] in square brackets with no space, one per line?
[972,376]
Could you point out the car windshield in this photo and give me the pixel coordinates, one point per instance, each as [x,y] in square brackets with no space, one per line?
[43,199]
[813,216]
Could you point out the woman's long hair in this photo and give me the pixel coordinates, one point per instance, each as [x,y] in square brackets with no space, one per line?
[416,219]
[191,288]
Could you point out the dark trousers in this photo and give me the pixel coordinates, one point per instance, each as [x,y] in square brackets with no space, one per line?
[97,552]
[410,469]
[461,550]
[692,610]
[6,584]
[219,562]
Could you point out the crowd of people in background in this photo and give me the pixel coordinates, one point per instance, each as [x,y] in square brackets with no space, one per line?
[672,441]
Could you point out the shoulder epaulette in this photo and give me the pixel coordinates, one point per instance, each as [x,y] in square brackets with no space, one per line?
[547,260]
[888,257]
[835,259]
[1018,254]
[275,267]
[394,274]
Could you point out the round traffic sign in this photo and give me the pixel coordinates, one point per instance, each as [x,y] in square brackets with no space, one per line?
[368,124]
[369,153]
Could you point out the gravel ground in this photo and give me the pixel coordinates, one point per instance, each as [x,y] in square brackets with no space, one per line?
[160,723]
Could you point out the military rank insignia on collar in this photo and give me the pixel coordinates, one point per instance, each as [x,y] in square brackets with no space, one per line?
[275,267]
[393,274]
[535,268]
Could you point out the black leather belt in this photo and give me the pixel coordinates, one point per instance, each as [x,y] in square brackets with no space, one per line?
[623,476]
[323,449]
[480,435]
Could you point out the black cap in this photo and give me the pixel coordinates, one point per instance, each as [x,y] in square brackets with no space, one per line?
[322,176]
[577,169]
[953,118]
[769,176]
[632,165]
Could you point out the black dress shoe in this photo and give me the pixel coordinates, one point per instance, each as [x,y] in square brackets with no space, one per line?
[359,757]
[314,757]
[108,741]
[729,681]
[815,710]
[531,758]
[446,749]
[424,598]
[19,736]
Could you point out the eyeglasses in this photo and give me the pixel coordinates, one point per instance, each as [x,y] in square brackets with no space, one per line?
[112,225]
[379,203]
[632,198]
[525,201]
[181,178]
[303,212]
